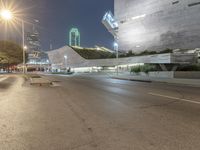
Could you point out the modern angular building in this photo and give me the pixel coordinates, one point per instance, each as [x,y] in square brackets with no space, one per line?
[68,57]
[157,24]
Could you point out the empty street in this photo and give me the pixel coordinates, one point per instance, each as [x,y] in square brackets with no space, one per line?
[96,112]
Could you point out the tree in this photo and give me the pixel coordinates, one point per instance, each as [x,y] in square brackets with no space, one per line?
[10,54]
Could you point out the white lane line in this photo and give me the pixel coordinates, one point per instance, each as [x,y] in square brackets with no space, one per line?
[2,79]
[176,98]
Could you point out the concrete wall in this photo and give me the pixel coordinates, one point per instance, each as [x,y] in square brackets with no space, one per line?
[158,24]
[188,75]
[176,74]
[162,74]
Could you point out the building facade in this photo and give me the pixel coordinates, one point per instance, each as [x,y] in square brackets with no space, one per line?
[158,24]
[67,57]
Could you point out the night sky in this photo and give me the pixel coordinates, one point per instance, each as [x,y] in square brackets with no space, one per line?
[58,16]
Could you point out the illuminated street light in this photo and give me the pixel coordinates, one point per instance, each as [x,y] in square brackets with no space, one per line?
[6,14]
[25,47]
[115,46]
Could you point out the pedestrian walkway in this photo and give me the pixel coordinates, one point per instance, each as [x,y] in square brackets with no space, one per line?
[186,82]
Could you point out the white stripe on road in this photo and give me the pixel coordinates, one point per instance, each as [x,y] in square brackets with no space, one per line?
[176,98]
[2,79]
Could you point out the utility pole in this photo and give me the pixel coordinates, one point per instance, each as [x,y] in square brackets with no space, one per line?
[116,48]
[23,46]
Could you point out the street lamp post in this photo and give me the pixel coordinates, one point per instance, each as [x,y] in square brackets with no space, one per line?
[7,15]
[65,58]
[24,47]
[116,48]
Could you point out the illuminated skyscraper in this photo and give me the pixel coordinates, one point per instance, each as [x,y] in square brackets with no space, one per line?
[74,37]
[33,40]
[35,54]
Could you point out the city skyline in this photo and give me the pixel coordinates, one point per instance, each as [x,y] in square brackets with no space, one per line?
[60,17]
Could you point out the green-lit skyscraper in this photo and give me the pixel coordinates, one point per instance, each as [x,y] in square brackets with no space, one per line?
[74,37]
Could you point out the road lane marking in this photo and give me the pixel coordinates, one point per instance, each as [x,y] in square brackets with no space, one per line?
[175,98]
[2,79]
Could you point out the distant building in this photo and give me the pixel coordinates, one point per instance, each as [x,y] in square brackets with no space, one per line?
[156,25]
[74,37]
[33,40]
[35,54]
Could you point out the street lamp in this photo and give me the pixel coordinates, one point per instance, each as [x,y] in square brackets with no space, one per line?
[7,15]
[25,47]
[65,57]
[116,48]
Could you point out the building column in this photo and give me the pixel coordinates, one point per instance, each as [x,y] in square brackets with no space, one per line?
[163,67]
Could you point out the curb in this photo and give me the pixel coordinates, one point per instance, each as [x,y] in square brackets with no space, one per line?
[178,84]
[157,81]
[127,79]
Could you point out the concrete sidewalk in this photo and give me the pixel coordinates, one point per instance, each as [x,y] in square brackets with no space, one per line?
[185,82]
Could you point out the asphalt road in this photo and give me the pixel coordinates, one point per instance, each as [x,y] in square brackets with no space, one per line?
[97,113]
